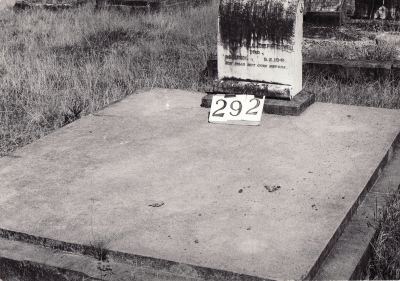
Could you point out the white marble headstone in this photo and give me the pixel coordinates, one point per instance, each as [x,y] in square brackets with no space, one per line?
[260,41]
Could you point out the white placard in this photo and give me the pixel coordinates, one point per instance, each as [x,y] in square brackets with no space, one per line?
[240,109]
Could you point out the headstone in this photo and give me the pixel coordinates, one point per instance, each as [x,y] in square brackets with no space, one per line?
[362,10]
[383,12]
[393,12]
[259,47]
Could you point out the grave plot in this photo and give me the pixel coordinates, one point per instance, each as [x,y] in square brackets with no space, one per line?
[173,197]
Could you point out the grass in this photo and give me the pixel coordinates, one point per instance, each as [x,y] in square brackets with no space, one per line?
[347,50]
[351,42]
[383,93]
[384,263]
[99,249]
[57,66]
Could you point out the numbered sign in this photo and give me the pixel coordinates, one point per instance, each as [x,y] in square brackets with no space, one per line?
[240,109]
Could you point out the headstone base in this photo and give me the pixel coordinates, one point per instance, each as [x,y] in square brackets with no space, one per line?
[237,87]
[293,107]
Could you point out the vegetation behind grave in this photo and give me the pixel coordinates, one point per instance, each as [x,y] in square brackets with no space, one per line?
[355,40]
[57,66]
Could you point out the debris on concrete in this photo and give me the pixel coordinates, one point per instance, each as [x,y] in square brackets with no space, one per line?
[272,188]
[157,204]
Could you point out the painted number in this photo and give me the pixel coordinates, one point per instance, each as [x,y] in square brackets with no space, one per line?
[253,108]
[222,108]
[239,110]
[257,105]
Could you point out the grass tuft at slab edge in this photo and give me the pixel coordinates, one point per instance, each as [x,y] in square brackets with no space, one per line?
[384,262]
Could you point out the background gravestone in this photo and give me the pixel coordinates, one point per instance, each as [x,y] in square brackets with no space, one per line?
[330,12]
[370,9]
[259,47]
[6,4]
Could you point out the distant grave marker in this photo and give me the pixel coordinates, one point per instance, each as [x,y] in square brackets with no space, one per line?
[6,4]
[325,6]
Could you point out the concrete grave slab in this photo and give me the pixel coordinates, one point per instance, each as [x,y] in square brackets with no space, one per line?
[106,175]
[349,257]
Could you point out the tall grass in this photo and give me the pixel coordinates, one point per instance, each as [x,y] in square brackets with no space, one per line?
[360,91]
[352,43]
[58,66]
[384,263]
[352,51]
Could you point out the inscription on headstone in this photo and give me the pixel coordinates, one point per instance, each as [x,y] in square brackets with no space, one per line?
[259,47]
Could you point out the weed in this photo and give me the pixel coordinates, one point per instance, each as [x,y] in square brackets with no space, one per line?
[56,67]
[383,93]
[98,249]
[354,51]
[385,259]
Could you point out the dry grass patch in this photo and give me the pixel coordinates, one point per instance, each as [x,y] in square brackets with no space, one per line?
[383,93]
[384,263]
[57,66]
